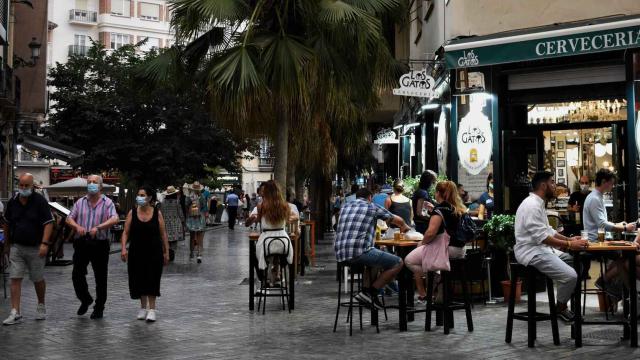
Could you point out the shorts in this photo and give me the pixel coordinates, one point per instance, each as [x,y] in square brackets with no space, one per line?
[25,259]
[376,258]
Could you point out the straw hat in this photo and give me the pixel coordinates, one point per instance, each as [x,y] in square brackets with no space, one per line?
[196,186]
[170,190]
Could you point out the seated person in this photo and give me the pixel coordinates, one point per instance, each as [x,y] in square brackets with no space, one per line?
[535,240]
[354,243]
[485,210]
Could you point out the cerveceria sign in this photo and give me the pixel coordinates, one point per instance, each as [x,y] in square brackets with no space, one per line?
[534,46]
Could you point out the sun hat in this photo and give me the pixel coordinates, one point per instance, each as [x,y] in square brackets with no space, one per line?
[170,190]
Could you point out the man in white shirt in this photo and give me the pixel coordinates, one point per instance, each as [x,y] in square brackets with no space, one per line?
[535,240]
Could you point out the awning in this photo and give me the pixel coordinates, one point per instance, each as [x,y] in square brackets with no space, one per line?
[558,40]
[53,149]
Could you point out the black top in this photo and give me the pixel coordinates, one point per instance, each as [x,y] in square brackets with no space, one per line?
[578,197]
[402,209]
[421,225]
[450,219]
[26,222]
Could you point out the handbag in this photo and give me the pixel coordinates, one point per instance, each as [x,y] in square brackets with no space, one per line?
[435,254]
[225,216]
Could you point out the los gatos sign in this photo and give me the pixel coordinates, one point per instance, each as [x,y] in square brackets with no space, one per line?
[416,83]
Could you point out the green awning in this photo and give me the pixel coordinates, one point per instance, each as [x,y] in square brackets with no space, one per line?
[584,37]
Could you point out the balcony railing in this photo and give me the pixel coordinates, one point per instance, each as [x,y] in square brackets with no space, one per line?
[265,162]
[80,50]
[83,16]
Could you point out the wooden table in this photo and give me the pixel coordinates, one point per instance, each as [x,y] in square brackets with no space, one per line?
[630,321]
[405,280]
[253,264]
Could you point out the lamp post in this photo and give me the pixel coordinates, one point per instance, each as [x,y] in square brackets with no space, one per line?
[34,45]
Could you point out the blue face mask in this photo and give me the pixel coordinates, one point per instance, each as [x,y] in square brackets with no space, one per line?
[93,188]
[25,192]
[141,200]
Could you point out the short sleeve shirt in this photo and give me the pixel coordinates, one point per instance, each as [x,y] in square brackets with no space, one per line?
[27,222]
[356,228]
[232,200]
[88,216]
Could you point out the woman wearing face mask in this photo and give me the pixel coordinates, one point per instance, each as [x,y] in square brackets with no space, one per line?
[148,252]
[486,201]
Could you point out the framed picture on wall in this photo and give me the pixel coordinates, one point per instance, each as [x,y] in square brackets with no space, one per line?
[560,154]
[561,180]
[561,164]
[561,172]
[560,145]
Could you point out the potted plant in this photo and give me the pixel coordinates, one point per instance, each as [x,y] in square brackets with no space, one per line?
[500,230]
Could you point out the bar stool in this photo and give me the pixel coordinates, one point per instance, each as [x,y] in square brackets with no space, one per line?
[283,265]
[458,266]
[353,270]
[531,316]
[595,291]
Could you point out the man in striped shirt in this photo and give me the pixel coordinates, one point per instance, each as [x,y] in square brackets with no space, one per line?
[91,218]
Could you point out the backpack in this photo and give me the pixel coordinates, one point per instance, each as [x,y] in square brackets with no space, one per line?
[466,230]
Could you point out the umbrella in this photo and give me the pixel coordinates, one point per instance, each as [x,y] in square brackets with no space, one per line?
[74,187]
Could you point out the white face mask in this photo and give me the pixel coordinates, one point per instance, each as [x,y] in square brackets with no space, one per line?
[584,187]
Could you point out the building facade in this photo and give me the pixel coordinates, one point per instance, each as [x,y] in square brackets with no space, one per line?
[112,22]
[543,85]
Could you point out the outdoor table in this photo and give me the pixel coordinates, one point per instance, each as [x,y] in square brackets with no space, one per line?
[630,317]
[253,263]
[405,280]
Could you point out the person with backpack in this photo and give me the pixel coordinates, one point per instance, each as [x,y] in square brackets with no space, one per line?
[444,222]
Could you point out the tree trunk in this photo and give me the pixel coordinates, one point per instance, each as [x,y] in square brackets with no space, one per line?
[281,152]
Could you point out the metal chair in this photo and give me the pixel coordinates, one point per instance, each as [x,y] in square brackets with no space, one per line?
[282,263]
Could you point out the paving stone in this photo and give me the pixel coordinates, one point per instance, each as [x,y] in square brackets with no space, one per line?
[203,314]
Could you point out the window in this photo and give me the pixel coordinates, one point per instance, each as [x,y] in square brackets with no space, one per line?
[149,11]
[80,40]
[121,7]
[81,4]
[119,40]
[150,44]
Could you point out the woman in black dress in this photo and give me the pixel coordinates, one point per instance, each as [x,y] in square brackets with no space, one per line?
[148,252]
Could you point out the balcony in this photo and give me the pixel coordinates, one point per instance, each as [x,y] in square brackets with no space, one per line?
[265,164]
[83,17]
[78,50]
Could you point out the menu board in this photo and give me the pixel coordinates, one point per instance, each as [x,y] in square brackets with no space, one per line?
[475,185]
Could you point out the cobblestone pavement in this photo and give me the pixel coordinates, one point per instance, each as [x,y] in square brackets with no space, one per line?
[203,314]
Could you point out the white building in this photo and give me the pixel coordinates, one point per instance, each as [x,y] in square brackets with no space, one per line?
[112,22]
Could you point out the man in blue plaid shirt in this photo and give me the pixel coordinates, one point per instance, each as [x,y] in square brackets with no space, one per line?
[354,242]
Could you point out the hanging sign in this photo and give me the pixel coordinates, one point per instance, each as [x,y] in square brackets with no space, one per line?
[441,143]
[386,136]
[474,138]
[416,83]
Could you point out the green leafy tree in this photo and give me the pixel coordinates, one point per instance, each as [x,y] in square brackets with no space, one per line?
[152,132]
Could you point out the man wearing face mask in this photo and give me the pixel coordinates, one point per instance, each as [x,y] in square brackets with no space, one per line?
[536,240]
[91,217]
[577,198]
[27,230]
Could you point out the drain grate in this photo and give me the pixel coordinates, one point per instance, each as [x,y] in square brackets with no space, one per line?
[603,335]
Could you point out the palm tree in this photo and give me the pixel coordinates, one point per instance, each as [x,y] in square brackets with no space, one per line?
[301,71]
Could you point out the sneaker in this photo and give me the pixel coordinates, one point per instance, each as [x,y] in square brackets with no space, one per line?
[364,297]
[84,307]
[151,315]
[14,318]
[420,301]
[612,288]
[375,301]
[566,315]
[142,314]
[41,312]
[199,259]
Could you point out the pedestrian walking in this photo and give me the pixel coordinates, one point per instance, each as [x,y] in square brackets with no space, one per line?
[198,211]
[232,208]
[27,228]
[213,209]
[92,217]
[148,251]
[173,219]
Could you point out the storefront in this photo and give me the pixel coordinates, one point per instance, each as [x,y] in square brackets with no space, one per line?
[561,98]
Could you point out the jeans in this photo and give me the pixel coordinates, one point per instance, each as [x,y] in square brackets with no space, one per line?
[376,258]
[95,252]
[556,267]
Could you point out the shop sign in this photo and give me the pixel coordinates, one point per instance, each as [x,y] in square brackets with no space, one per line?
[541,47]
[386,136]
[474,138]
[416,83]
[228,179]
[441,143]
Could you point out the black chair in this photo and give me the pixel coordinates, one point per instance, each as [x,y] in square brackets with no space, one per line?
[458,269]
[353,270]
[283,264]
[531,316]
